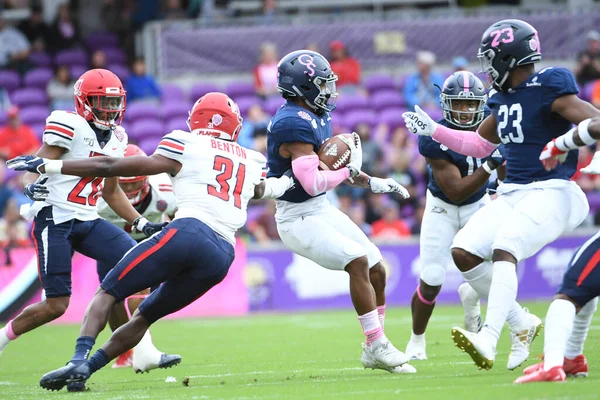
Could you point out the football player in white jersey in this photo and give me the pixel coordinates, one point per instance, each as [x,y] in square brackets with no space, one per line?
[65,206]
[151,196]
[213,180]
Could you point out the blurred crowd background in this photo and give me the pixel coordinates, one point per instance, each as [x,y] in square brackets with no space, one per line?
[46,45]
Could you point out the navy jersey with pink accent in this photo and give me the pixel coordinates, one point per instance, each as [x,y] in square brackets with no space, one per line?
[292,123]
[525,123]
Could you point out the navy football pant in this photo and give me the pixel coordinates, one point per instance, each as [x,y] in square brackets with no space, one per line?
[55,244]
[581,281]
[187,255]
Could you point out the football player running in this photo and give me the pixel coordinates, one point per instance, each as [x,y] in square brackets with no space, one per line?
[307,224]
[534,205]
[153,198]
[456,190]
[570,314]
[213,180]
[65,207]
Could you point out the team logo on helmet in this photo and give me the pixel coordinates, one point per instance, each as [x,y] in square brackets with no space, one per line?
[309,62]
[77,87]
[533,44]
[161,205]
[217,119]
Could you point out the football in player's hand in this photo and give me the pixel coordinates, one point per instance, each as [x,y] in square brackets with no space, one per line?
[335,153]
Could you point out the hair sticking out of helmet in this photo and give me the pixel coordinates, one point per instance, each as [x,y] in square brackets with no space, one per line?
[215,114]
[505,45]
[308,76]
[463,99]
[100,98]
[136,188]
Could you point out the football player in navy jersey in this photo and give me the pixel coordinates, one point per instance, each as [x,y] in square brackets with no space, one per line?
[534,205]
[307,223]
[456,189]
[570,313]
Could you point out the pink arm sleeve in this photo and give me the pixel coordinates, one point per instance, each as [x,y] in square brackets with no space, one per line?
[315,182]
[464,142]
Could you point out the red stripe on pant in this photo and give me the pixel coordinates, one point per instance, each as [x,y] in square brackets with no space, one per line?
[589,267]
[148,252]
[37,251]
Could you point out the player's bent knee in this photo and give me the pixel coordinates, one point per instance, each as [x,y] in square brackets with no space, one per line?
[503,255]
[57,306]
[358,266]
[433,274]
[464,260]
[562,296]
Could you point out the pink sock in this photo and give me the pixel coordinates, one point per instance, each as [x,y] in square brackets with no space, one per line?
[9,331]
[381,314]
[371,326]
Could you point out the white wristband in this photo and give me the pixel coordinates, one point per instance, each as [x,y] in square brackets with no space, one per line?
[584,134]
[276,187]
[487,168]
[53,167]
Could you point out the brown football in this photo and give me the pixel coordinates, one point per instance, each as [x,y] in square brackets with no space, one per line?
[335,152]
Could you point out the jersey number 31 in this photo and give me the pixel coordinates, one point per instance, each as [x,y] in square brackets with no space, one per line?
[225,166]
[509,124]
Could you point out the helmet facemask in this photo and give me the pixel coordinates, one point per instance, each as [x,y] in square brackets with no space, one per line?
[107,111]
[327,92]
[135,188]
[465,110]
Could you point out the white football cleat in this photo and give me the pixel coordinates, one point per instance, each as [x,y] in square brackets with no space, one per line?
[384,355]
[368,362]
[144,361]
[482,352]
[416,349]
[471,306]
[521,342]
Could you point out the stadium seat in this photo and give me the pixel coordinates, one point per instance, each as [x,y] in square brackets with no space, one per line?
[102,40]
[121,71]
[245,102]
[176,109]
[240,89]
[77,70]
[146,128]
[272,104]
[40,59]
[200,89]
[38,129]
[9,80]
[71,56]
[34,115]
[38,77]
[142,110]
[176,123]
[391,117]
[352,120]
[149,144]
[385,99]
[170,92]
[115,55]
[375,83]
[350,102]
[29,96]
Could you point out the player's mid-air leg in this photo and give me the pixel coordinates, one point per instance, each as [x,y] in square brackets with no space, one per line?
[568,319]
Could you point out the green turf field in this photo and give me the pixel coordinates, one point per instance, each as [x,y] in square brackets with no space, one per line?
[299,356]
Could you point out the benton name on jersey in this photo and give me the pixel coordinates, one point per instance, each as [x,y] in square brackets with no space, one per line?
[292,123]
[216,180]
[431,149]
[526,123]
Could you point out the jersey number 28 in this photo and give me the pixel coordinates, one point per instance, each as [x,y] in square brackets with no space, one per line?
[75,194]
[225,166]
[514,116]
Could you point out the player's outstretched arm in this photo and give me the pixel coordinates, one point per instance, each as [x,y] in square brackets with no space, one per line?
[274,188]
[98,166]
[305,165]
[380,185]
[477,144]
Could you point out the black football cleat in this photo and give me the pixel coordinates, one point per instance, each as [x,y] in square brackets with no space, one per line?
[70,373]
[169,360]
[76,386]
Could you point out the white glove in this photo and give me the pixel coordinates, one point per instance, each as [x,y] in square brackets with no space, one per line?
[387,185]
[355,164]
[419,122]
[594,166]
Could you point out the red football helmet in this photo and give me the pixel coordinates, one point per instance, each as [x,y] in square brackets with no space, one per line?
[215,114]
[100,98]
[136,188]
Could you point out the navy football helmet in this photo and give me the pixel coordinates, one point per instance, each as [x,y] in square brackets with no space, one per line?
[505,45]
[307,74]
[463,85]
